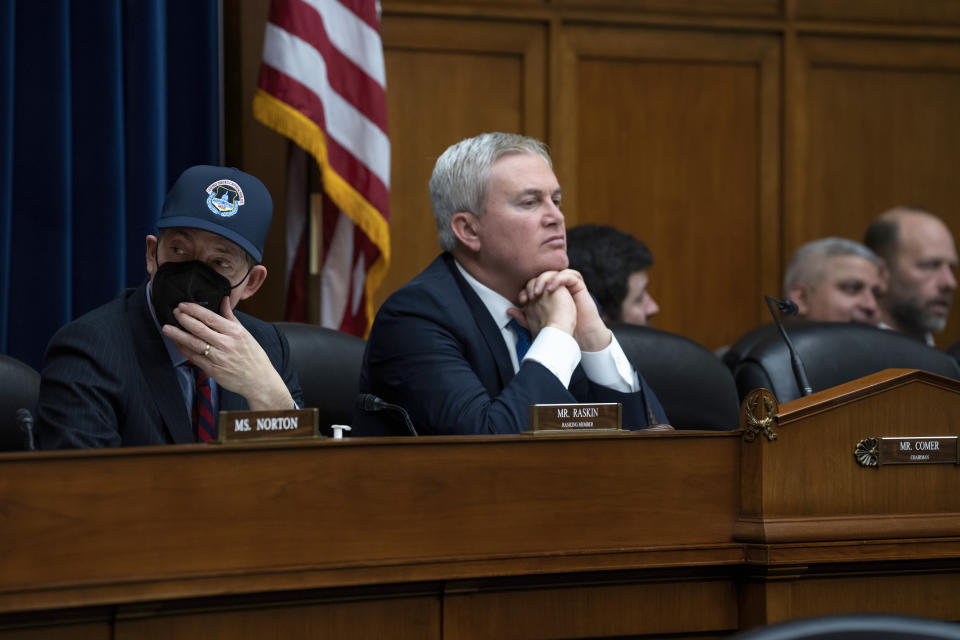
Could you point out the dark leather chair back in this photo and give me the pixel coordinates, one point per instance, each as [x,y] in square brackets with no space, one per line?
[739,349]
[855,627]
[328,364]
[834,353]
[19,389]
[695,388]
[954,350]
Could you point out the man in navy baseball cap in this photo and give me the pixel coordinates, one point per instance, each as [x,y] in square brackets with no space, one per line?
[224,201]
[157,363]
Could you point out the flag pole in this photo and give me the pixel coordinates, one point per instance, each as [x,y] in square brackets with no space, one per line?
[315,229]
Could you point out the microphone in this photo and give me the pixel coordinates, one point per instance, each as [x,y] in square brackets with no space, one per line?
[25,423]
[789,307]
[370,403]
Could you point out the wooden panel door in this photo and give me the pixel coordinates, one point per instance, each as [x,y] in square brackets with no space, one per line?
[902,12]
[711,8]
[673,136]
[450,79]
[872,124]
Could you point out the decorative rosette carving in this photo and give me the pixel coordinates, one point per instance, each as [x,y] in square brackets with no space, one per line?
[867,452]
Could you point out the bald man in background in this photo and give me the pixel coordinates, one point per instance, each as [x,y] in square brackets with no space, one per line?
[835,280]
[920,265]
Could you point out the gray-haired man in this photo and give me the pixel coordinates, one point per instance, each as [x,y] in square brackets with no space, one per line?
[835,280]
[451,346]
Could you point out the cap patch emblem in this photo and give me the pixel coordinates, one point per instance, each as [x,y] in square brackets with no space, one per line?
[225,198]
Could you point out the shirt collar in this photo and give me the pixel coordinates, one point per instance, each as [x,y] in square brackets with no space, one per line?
[176,357]
[495,303]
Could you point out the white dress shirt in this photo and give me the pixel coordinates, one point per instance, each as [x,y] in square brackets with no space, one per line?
[558,351]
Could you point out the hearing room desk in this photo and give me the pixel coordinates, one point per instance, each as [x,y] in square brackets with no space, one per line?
[686,533]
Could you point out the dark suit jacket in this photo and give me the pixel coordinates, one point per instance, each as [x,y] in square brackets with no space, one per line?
[435,350]
[107,379]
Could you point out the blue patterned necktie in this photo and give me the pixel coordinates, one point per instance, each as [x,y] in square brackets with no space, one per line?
[524,339]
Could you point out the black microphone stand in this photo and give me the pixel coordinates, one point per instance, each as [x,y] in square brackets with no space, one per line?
[370,403]
[799,371]
[25,423]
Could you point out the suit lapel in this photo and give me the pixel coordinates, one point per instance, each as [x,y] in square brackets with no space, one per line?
[159,375]
[488,328]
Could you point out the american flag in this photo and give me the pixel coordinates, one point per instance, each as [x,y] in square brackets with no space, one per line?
[323,85]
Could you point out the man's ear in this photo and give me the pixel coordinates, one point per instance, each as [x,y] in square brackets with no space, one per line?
[151,255]
[466,227]
[253,282]
[798,294]
[883,269]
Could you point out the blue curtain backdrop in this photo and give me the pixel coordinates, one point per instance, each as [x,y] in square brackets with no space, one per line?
[102,104]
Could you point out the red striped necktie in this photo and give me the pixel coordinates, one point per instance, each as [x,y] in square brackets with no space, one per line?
[204,429]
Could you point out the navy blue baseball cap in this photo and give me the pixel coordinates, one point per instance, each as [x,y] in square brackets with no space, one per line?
[221,200]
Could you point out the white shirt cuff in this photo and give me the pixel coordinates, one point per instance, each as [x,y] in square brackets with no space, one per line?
[557,351]
[611,368]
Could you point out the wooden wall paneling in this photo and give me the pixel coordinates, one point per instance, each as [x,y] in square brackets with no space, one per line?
[562,113]
[806,485]
[770,226]
[412,618]
[445,508]
[762,8]
[79,631]
[891,11]
[583,610]
[872,125]
[925,594]
[673,135]
[253,147]
[816,452]
[795,135]
[444,6]
[448,79]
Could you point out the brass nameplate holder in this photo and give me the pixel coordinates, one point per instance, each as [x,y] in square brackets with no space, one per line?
[575,418]
[878,452]
[244,426]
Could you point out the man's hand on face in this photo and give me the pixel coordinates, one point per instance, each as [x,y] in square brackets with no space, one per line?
[589,330]
[222,347]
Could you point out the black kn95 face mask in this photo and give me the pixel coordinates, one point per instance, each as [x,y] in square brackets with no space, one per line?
[190,281]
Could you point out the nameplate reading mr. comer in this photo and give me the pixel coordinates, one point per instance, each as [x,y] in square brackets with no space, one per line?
[553,418]
[238,426]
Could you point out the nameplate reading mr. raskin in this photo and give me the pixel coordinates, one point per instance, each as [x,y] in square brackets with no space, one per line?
[604,416]
[236,426]
[919,450]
